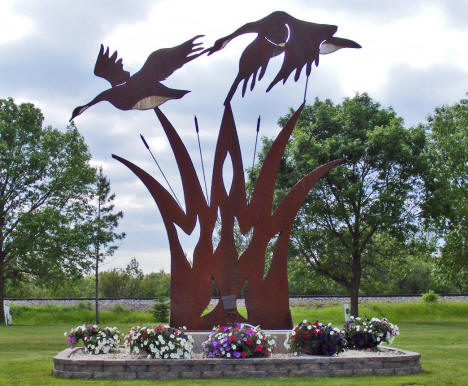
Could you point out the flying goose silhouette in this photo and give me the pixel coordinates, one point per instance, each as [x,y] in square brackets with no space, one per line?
[142,90]
[279,32]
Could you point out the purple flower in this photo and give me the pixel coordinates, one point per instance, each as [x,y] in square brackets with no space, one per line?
[236,354]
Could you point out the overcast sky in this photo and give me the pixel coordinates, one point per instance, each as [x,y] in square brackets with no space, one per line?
[414,57]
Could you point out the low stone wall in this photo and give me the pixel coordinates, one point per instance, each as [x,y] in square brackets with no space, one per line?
[145,304]
[405,362]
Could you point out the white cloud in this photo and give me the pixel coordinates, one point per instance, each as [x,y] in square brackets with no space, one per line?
[13,25]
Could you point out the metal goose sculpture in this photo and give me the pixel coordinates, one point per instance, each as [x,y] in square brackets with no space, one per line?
[142,90]
[300,41]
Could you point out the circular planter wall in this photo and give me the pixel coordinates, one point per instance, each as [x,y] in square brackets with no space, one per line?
[402,362]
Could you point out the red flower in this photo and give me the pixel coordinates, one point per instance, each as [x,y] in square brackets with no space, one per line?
[316,323]
[259,348]
[248,341]
[233,338]
[243,354]
[267,352]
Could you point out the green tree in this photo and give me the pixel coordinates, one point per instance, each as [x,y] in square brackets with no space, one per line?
[371,193]
[45,187]
[446,204]
[105,220]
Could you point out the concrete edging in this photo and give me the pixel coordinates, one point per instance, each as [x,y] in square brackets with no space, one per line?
[311,366]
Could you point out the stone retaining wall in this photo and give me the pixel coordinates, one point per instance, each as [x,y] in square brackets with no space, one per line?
[145,304]
[305,366]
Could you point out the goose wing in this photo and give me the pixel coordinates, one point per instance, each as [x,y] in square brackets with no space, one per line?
[110,68]
[303,48]
[162,63]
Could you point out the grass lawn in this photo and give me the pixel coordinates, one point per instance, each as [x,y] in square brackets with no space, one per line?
[441,336]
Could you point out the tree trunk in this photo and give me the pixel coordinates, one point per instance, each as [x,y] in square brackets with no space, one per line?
[97,289]
[2,288]
[355,283]
[97,264]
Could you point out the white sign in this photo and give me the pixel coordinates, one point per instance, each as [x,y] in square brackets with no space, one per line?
[346,312]
[7,313]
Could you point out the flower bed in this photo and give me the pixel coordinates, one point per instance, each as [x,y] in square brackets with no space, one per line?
[241,341]
[161,342]
[96,340]
[365,333]
[315,339]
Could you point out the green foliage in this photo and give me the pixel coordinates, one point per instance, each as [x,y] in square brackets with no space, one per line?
[105,220]
[116,283]
[45,188]
[160,311]
[360,209]
[52,314]
[415,312]
[84,305]
[446,183]
[119,309]
[430,297]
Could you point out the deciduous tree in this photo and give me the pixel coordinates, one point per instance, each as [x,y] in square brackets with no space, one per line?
[45,187]
[446,204]
[370,194]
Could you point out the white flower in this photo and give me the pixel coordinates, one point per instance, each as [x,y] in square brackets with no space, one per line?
[309,327]
[233,346]
[228,355]
[259,341]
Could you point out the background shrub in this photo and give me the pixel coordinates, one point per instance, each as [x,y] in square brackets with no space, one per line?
[430,297]
[160,310]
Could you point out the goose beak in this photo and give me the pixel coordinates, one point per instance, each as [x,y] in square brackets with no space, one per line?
[334,44]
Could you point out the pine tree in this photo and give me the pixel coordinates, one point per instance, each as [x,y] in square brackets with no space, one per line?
[104,225]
